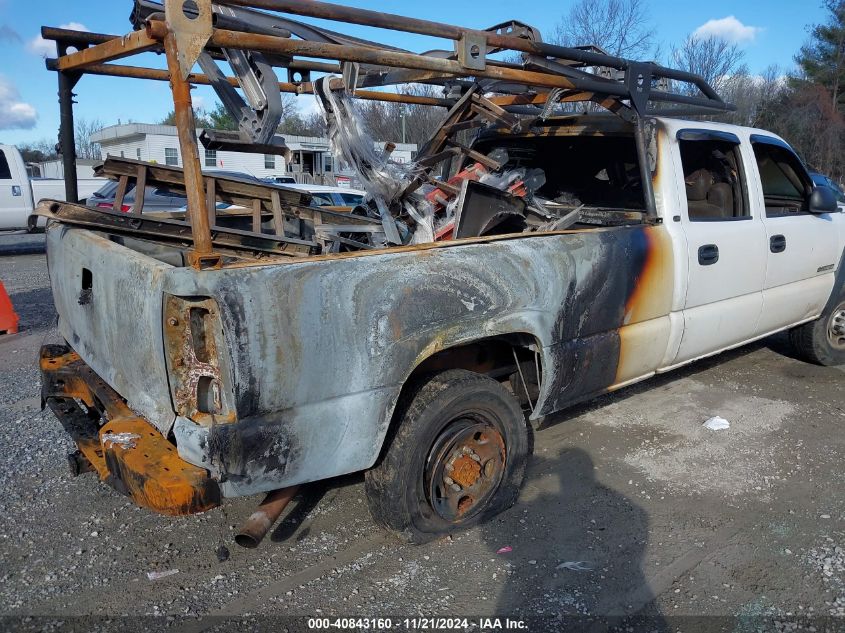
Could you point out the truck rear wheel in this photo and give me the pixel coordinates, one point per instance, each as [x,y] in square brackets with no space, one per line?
[455,458]
[822,341]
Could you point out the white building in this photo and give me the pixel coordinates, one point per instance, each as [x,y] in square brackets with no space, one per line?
[311,157]
[56,168]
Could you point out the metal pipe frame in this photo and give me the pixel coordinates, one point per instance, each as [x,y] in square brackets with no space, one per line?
[548,67]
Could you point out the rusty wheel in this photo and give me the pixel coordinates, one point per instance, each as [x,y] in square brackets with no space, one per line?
[464,468]
[455,456]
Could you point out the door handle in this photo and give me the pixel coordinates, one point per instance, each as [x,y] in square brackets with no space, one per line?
[708,254]
[777,243]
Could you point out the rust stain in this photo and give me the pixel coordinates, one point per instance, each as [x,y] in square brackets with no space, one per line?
[466,471]
[148,469]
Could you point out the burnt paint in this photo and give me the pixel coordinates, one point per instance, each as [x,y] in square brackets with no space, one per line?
[320,349]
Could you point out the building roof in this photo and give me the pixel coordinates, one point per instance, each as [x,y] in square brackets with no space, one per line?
[120,133]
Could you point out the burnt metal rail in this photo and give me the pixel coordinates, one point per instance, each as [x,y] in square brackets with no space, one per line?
[257,35]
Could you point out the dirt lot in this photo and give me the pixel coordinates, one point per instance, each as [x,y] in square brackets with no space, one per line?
[667,518]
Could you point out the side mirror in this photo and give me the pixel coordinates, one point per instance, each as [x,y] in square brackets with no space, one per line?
[823,200]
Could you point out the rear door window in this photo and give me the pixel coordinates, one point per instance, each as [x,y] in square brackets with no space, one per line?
[5,171]
[713,176]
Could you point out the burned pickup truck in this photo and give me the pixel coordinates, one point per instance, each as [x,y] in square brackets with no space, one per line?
[532,256]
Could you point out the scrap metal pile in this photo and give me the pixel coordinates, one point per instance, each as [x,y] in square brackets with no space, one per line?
[450,191]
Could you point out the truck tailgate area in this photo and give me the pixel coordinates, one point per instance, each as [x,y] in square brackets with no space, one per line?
[109,301]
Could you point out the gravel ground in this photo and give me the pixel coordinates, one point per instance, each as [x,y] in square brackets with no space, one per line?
[667,519]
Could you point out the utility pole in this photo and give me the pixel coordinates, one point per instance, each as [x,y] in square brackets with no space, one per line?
[402,115]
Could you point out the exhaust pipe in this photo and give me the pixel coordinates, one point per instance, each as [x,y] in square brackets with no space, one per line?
[259,523]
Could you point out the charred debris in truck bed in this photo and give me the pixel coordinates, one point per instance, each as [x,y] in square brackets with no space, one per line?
[454,189]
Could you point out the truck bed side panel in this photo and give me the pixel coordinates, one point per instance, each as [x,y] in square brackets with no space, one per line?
[320,349]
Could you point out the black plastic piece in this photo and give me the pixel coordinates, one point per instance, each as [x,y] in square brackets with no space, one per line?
[708,254]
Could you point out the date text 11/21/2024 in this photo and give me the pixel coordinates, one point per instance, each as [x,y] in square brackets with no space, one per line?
[418,624]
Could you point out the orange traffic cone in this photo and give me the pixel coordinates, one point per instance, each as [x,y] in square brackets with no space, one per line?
[8,317]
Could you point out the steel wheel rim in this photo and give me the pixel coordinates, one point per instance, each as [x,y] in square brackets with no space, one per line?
[836,328]
[464,468]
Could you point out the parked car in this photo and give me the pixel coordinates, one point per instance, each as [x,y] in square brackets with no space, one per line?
[155,198]
[824,181]
[281,180]
[327,196]
[19,193]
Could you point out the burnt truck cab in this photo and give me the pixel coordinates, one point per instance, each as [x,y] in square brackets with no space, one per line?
[182,385]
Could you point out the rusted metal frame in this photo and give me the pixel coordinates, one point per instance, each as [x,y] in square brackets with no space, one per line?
[131,44]
[120,194]
[642,142]
[202,255]
[227,189]
[538,99]
[278,216]
[171,230]
[256,216]
[211,200]
[485,108]
[430,154]
[140,188]
[75,38]
[379,19]
[270,44]
[443,186]
[67,134]
[478,157]
[134,72]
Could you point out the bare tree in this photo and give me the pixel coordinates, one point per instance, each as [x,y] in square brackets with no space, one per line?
[83,130]
[751,94]
[388,121]
[714,59]
[620,27]
[802,112]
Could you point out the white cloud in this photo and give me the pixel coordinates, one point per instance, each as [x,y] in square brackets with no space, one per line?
[46,48]
[14,113]
[729,29]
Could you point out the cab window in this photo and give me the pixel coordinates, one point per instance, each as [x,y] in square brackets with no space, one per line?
[5,172]
[786,184]
[713,180]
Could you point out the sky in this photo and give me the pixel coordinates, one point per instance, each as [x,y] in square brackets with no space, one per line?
[768,31]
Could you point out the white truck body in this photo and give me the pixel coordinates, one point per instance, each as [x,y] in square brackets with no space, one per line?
[19,194]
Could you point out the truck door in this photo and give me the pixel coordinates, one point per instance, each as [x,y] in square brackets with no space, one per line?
[15,202]
[725,240]
[801,247]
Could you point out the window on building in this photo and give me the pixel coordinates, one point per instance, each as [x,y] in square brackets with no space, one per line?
[171,156]
[122,155]
[138,153]
[269,161]
[328,164]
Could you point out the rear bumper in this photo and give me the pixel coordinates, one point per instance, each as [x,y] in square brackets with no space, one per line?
[127,452]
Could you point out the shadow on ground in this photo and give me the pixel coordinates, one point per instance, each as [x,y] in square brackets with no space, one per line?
[577,549]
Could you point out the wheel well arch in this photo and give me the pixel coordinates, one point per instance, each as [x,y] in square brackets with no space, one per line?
[494,356]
